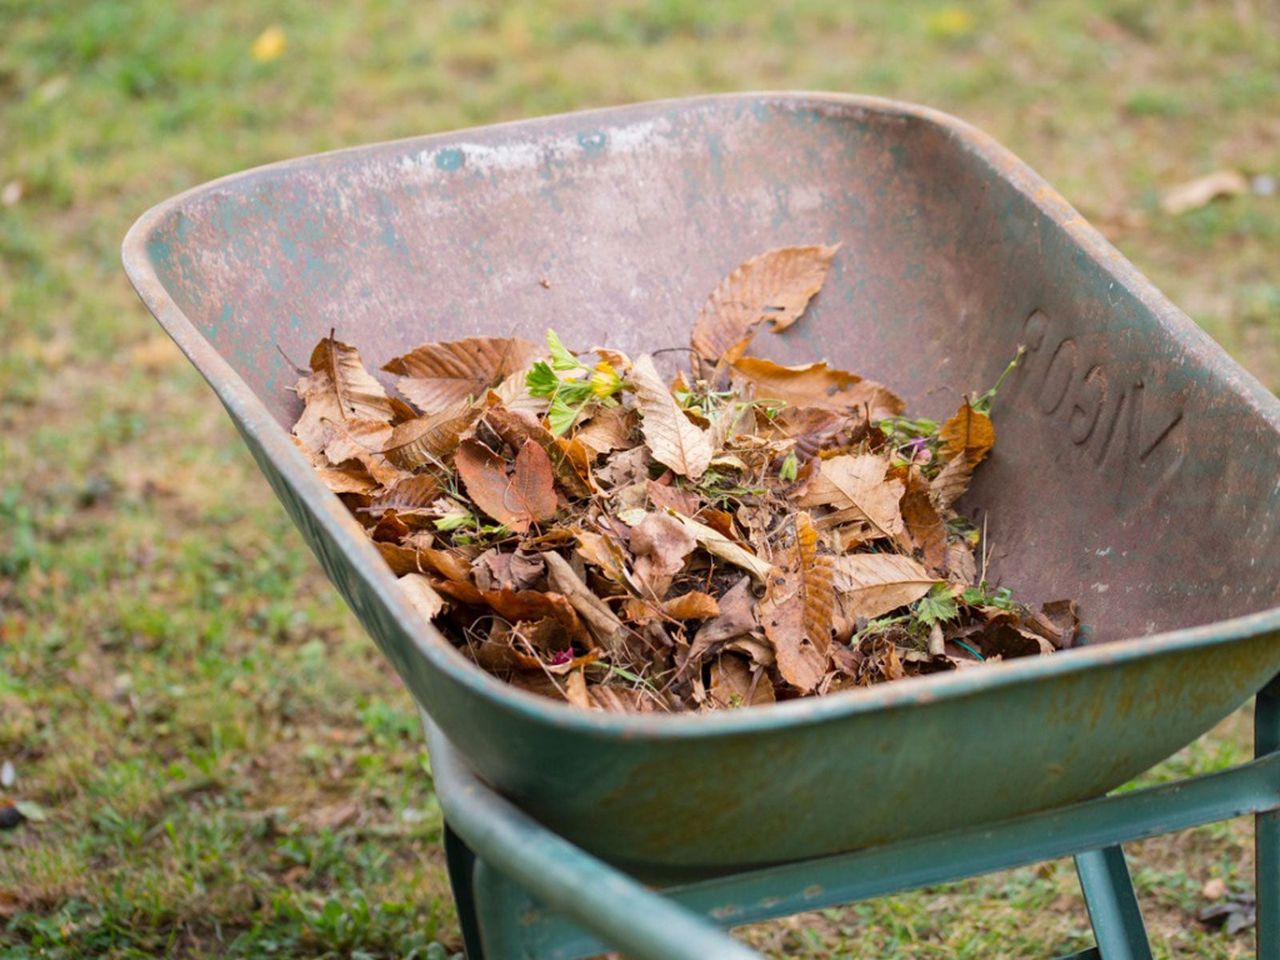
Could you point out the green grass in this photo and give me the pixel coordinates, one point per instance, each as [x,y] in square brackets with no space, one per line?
[228,766]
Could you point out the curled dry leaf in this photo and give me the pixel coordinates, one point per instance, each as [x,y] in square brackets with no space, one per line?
[428,441]
[775,286]
[857,489]
[694,605]
[735,684]
[339,388]
[871,584]
[516,499]
[672,437]
[816,385]
[422,595]
[436,376]
[797,607]
[720,546]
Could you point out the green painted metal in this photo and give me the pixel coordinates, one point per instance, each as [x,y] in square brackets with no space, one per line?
[524,924]
[1266,733]
[1113,906]
[1123,421]
[515,849]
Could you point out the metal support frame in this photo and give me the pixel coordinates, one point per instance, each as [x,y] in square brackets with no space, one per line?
[524,892]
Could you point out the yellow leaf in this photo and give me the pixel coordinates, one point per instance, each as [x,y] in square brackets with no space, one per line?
[268,45]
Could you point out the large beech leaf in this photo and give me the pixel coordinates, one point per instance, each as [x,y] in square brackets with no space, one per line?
[429,440]
[796,611]
[515,499]
[871,584]
[339,388]
[437,375]
[775,286]
[857,487]
[816,385]
[673,438]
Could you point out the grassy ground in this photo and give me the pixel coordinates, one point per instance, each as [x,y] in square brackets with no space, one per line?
[227,766]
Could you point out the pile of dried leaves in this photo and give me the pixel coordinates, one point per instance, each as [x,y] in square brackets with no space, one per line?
[752,532]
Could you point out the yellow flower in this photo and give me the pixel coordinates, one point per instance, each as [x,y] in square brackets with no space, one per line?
[269,44]
[605,382]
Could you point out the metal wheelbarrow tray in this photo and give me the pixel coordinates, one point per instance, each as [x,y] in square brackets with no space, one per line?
[1137,467]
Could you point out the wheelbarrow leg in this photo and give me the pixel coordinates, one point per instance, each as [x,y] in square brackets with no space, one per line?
[1266,739]
[462,869]
[1113,906]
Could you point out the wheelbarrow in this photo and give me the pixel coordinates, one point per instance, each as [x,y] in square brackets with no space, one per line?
[1138,470]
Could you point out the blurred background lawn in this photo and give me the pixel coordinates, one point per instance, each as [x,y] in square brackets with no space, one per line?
[224,764]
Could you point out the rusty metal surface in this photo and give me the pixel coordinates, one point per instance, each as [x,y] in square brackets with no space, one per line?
[1137,467]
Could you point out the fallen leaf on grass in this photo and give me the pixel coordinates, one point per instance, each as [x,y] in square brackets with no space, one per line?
[1202,191]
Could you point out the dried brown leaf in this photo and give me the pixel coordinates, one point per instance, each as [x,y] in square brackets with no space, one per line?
[869,585]
[968,434]
[422,595]
[418,492]
[816,385]
[608,429]
[608,630]
[515,428]
[776,286]
[718,545]
[694,605]
[428,440]
[339,388]
[926,531]
[796,611]
[437,376]
[856,486]
[735,684]
[672,438]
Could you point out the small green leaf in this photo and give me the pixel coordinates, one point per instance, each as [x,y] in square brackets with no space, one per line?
[560,416]
[787,472]
[453,521]
[561,358]
[541,380]
[937,606]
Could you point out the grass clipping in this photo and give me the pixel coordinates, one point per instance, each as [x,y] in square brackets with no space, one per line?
[751,532]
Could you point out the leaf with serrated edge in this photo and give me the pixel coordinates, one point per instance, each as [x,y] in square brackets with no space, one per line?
[816,385]
[718,545]
[857,484]
[776,286]
[872,584]
[437,375]
[339,388]
[428,440]
[672,438]
[532,492]
[969,433]
[796,611]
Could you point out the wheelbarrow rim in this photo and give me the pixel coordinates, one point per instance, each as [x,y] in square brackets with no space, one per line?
[256,421]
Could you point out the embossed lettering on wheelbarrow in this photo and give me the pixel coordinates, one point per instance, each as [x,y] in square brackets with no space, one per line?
[1138,468]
